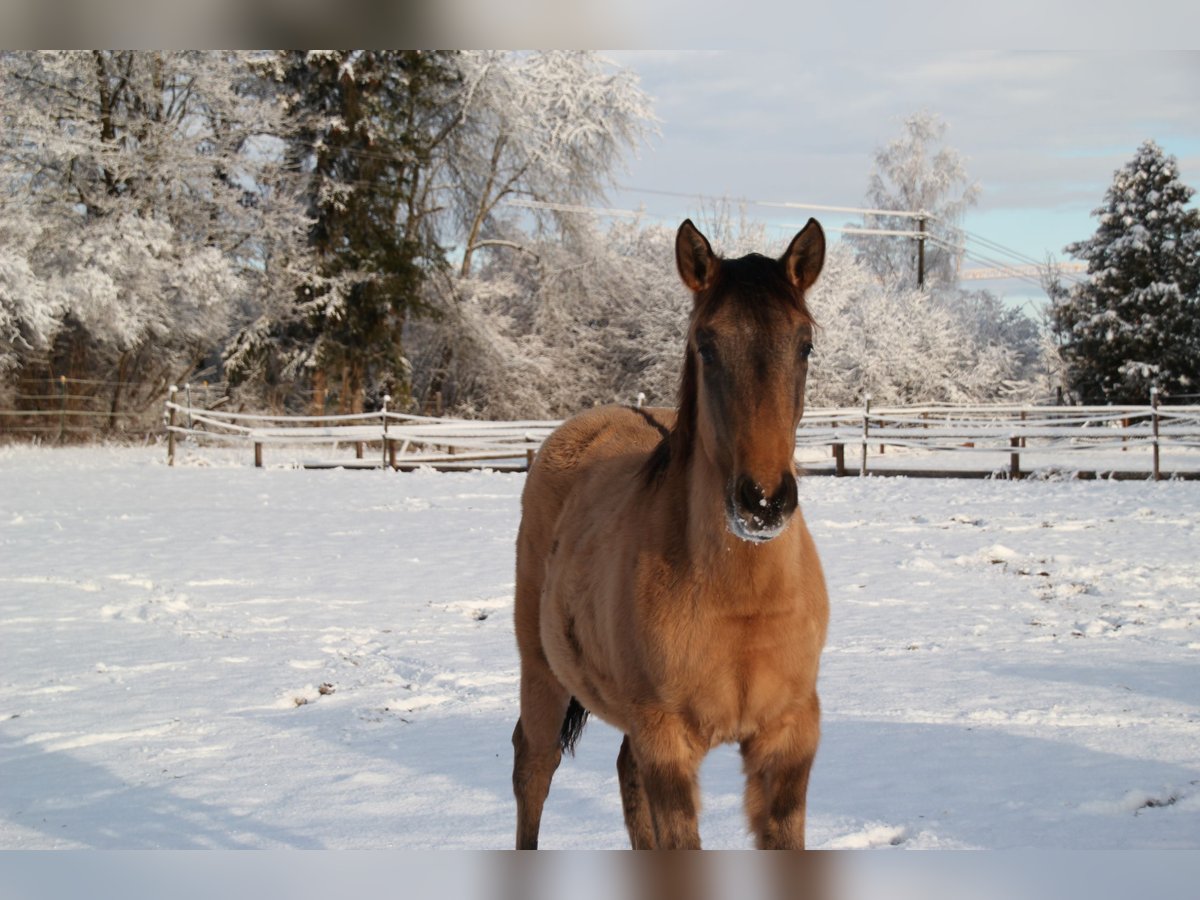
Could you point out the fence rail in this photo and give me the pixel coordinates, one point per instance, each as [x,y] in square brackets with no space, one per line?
[59,408]
[398,440]
[1022,434]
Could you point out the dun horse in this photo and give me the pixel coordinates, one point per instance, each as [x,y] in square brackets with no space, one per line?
[665,579]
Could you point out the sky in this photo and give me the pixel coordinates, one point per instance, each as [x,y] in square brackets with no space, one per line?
[1042,132]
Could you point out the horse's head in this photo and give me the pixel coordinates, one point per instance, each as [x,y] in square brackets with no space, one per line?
[748,345]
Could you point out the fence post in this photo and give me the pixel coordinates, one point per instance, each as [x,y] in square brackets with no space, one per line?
[1154,425]
[387,398]
[187,389]
[258,462]
[171,425]
[1014,459]
[866,432]
[62,407]
[839,459]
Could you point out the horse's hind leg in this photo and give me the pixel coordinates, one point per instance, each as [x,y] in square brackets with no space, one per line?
[536,747]
[633,800]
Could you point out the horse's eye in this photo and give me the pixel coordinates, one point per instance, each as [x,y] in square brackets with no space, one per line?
[707,352]
[806,350]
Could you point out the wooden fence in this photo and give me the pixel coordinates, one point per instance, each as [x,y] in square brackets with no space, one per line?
[1068,438]
[59,409]
[1076,439]
[382,438]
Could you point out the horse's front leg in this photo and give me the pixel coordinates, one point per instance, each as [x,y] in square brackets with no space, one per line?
[633,800]
[777,761]
[668,760]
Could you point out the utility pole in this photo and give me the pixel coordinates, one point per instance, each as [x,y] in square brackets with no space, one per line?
[921,252]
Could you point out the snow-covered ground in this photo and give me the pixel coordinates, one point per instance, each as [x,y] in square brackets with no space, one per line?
[219,656]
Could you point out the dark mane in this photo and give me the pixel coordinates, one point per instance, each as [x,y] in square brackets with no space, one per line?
[677,443]
[754,283]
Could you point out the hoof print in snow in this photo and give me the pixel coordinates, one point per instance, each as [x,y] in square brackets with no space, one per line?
[1157,803]
[300,701]
[326,689]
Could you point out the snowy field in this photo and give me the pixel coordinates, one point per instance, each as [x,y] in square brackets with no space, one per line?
[218,656]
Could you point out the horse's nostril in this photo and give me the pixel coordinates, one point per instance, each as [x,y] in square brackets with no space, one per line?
[750,495]
[786,499]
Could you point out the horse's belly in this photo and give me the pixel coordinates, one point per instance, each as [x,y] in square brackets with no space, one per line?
[580,623]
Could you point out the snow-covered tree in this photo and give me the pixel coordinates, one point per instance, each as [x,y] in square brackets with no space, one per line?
[362,128]
[916,172]
[411,152]
[572,325]
[597,318]
[549,127]
[1135,322]
[28,319]
[900,345]
[149,207]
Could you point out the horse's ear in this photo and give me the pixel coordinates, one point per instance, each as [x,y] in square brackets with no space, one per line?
[694,256]
[805,256]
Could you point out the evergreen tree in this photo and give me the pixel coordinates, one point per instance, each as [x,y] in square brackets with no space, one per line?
[1135,323]
[365,125]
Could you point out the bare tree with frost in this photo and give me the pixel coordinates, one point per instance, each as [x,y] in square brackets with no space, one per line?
[547,130]
[152,210]
[597,318]
[916,172]
[548,127]
[410,158]
[901,346]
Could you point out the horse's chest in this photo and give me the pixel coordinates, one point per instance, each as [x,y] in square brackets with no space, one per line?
[747,672]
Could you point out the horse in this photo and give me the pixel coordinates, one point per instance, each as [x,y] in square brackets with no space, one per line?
[665,579]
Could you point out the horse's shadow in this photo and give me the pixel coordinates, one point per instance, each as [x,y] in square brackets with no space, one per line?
[81,803]
[875,783]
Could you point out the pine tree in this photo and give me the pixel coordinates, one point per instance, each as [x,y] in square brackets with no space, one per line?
[1135,324]
[364,128]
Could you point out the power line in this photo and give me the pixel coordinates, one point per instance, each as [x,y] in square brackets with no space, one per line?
[1016,254]
[567,207]
[1006,270]
[988,261]
[638,214]
[1000,248]
[781,204]
[1010,271]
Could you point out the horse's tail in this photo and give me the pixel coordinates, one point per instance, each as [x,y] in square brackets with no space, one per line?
[572,726]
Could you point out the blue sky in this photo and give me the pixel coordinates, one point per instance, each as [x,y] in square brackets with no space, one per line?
[1042,131]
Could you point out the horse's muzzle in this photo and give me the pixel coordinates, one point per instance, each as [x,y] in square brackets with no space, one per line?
[752,515]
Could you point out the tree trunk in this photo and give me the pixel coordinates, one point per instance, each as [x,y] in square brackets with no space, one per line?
[320,388]
[437,384]
[114,405]
[351,391]
[356,386]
